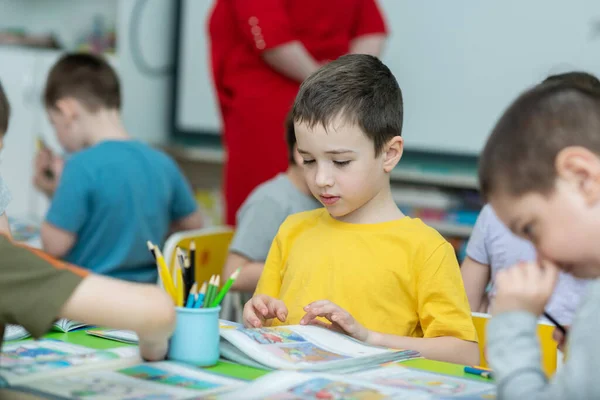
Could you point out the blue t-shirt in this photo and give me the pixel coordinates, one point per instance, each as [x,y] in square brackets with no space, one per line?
[114,197]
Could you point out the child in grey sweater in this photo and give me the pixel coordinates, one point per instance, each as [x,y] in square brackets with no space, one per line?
[540,170]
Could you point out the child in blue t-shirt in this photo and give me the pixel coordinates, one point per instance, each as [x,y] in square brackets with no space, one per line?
[114,193]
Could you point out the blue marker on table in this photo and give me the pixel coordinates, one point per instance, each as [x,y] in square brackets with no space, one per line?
[484,373]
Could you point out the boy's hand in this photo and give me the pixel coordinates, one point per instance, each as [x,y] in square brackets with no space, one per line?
[526,287]
[560,338]
[341,320]
[47,171]
[261,308]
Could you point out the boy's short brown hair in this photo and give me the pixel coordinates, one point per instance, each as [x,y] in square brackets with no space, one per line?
[579,78]
[519,157]
[85,77]
[4,111]
[358,87]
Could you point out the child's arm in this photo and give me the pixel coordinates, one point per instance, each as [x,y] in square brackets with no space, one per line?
[513,349]
[55,241]
[249,273]
[36,289]
[192,221]
[476,277]
[445,348]
[370,33]
[145,309]
[258,221]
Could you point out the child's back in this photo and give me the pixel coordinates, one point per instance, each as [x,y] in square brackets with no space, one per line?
[114,193]
[115,196]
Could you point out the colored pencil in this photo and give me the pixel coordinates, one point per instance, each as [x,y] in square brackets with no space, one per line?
[201,296]
[191,298]
[164,273]
[151,248]
[188,279]
[208,301]
[180,292]
[484,373]
[209,290]
[192,258]
[219,298]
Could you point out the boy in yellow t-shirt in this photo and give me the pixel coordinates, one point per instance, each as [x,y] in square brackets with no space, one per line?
[394,274]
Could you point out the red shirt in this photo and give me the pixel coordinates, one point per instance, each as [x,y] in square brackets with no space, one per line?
[241,30]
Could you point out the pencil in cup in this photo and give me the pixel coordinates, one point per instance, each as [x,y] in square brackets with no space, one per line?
[192,296]
[192,259]
[212,291]
[180,289]
[163,271]
[221,295]
[201,295]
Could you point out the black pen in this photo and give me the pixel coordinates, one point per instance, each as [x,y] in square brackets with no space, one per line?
[555,322]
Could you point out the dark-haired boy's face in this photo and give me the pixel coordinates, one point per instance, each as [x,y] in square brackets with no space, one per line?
[563,226]
[341,169]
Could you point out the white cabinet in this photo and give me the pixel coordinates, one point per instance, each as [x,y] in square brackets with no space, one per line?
[22,78]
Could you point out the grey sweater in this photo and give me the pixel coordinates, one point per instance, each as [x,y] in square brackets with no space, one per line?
[514,354]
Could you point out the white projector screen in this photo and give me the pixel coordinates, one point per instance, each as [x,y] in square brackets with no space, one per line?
[459,63]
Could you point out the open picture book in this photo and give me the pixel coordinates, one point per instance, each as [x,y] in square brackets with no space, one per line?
[17,332]
[293,347]
[393,381]
[307,348]
[58,370]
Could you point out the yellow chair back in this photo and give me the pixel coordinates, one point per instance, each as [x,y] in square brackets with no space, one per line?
[548,345]
[212,246]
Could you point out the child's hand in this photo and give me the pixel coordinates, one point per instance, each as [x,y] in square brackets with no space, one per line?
[526,287]
[261,308]
[341,320]
[47,171]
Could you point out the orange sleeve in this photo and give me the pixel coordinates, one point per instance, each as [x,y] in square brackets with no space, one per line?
[34,286]
[58,264]
[264,23]
[369,19]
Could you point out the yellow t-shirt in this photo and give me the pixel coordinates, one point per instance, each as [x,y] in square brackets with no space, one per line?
[398,277]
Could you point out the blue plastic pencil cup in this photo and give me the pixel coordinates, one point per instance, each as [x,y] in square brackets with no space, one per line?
[196,337]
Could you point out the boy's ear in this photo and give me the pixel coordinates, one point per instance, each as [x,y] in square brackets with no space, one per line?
[581,167]
[392,153]
[68,107]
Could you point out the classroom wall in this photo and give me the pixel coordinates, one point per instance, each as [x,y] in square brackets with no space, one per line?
[459,63]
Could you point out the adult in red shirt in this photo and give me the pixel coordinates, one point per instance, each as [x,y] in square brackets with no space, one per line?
[261,50]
